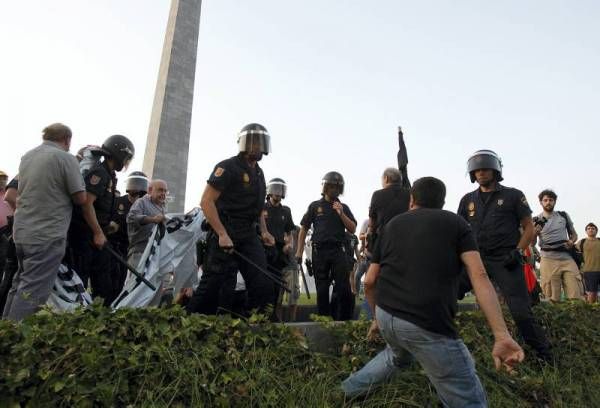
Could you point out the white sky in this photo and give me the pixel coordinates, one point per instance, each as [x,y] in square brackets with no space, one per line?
[331,81]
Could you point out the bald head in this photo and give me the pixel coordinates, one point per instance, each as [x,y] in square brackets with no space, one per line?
[158,191]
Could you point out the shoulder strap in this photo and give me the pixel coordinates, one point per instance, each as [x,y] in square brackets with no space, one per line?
[566,217]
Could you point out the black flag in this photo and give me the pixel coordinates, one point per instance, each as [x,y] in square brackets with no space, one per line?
[402,159]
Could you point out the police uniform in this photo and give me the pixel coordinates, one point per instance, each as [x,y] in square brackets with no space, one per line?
[279,222]
[329,259]
[120,242]
[239,207]
[88,261]
[495,218]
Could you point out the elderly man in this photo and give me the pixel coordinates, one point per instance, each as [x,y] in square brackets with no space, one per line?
[143,215]
[49,185]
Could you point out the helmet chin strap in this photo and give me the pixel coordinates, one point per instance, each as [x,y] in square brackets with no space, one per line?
[255,157]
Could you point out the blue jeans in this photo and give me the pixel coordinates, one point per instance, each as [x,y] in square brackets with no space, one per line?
[446,361]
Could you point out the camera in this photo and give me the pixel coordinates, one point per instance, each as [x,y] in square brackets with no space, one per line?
[541,221]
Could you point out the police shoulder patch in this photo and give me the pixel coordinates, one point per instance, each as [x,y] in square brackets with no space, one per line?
[95,179]
[219,171]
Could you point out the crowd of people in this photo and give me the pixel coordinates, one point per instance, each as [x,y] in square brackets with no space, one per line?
[415,258]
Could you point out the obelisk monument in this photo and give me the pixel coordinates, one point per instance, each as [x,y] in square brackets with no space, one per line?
[168,141]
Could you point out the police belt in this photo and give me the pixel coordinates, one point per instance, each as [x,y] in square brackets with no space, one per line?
[495,251]
[327,245]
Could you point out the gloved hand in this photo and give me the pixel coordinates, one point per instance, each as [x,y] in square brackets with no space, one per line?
[309,267]
[514,258]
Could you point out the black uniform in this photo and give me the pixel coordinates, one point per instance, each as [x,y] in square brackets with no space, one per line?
[83,257]
[239,206]
[120,242]
[329,259]
[279,222]
[495,218]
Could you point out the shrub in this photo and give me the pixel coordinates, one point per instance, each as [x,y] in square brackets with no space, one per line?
[160,357]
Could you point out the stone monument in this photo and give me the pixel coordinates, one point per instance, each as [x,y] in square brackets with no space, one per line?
[166,155]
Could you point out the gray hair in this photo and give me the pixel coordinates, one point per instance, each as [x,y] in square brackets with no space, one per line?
[392,174]
[56,132]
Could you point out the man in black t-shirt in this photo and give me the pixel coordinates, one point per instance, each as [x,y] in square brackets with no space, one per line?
[411,286]
[386,203]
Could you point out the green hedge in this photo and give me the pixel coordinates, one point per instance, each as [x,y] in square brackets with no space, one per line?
[164,357]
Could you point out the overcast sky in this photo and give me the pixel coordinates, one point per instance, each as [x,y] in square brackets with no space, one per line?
[331,81]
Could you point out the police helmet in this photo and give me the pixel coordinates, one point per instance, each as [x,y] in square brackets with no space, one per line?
[137,181]
[333,178]
[252,136]
[119,148]
[276,186]
[484,159]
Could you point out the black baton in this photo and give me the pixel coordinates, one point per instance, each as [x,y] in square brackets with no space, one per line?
[119,258]
[304,279]
[264,271]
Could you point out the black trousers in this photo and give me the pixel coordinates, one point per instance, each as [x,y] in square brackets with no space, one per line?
[118,271]
[91,264]
[8,272]
[330,265]
[219,271]
[511,281]
[276,260]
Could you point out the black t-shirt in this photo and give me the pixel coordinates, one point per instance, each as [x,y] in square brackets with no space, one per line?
[419,254]
[101,182]
[279,221]
[327,224]
[243,191]
[387,203]
[495,217]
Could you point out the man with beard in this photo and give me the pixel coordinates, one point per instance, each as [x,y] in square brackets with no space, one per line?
[232,202]
[329,219]
[495,213]
[279,223]
[557,237]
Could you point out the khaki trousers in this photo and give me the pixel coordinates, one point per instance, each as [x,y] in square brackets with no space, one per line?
[560,273]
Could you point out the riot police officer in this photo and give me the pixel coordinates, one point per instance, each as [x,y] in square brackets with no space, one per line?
[232,202]
[136,187]
[329,219]
[495,213]
[90,222]
[279,223]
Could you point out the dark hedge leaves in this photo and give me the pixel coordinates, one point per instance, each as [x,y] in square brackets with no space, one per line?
[164,357]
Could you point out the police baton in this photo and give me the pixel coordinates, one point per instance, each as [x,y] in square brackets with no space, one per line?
[301,269]
[119,258]
[268,274]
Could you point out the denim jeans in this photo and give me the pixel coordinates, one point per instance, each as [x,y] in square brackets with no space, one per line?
[446,361]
